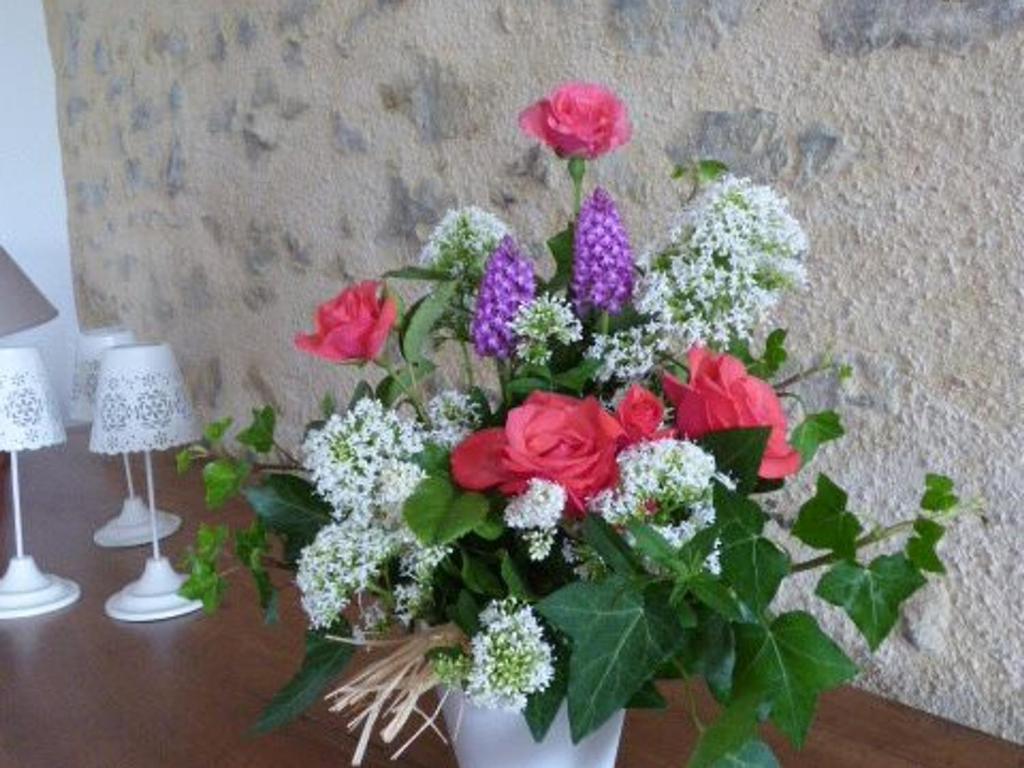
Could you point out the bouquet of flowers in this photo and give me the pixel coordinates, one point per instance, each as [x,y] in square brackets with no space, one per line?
[580,518]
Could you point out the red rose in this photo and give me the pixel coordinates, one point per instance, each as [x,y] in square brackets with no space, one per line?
[353,326]
[554,437]
[721,395]
[641,414]
[578,120]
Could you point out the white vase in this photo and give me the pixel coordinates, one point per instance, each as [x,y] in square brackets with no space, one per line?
[487,738]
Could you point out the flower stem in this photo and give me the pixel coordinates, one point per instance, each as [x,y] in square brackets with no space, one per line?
[577,169]
[467,364]
[412,392]
[874,537]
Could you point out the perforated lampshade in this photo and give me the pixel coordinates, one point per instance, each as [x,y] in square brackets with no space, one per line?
[21,304]
[141,402]
[91,346]
[29,414]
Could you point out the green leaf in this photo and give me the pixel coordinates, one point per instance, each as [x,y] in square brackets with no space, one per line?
[362,391]
[561,247]
[938,494]
[259,435]
[479,577]
[542,708]
[710,651]
[648,697]
[754,754]
[771,360]
[251,546]
[465,613]
[815,430]
[223,479]
[491,528]
[434,460]
[710,170]
[325,660]
[921,547]
[788,663]
[716,596]
[620,638]
[824,522]
[738,453]
[204,582]
[391,389]
[417,273]
[514,579]
[575,379]
[526,384]
[290,507]
[186,456]
[653,545]
[612,548]
[727,736]
[422,319]
[214,431]
[751,565]
[871,596]
[329,405]
[438,513]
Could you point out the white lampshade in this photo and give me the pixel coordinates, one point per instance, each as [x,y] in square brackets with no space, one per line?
[29,415]
[91,346]
[141,402]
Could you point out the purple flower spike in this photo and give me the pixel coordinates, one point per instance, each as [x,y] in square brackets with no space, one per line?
[508,283]
[602,276]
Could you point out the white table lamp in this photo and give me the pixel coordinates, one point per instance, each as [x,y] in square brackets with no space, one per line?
[142,405]
[29,419]
[130,527]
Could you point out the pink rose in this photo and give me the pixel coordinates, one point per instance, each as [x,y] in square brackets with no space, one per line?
[353,326]
[641,414]
[554,437]
[578,120]
[721,395]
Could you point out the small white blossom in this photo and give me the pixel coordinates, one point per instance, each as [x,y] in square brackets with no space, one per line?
[539,543]
[398,481]
[628,355]
[542,322]
[539,506]
[342,560]
[462,242]
[510,659]
[454,416]
[373,621]
[724,265]
[350,454]
[412,595]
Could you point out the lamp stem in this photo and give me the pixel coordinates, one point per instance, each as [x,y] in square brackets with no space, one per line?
[16,493]
[152,506]
[128,474]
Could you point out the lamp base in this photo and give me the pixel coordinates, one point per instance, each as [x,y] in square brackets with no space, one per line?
[154,597]
[131,528]
[27,591]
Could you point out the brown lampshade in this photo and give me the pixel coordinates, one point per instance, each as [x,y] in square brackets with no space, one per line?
[21,304]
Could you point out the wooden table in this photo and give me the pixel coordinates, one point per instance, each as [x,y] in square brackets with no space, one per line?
[81,691]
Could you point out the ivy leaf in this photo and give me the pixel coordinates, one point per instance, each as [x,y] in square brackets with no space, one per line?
[648,697]
[612,548]
[728,735]
[223,479]
[773,358]
[186,456]
[871,596]
[754,754]
[250,547]
[788,663]
[653,545]
[214,431]
[621,636]
[422,319]
[542,708]
[437,513]
[710,651]
[938,493]
[204,582]
[752,565]
[815,430]
[289,506]
[738,453]
[561,247]
[716,596]
[921,547]
[259,435]
[325,659]
[824,522]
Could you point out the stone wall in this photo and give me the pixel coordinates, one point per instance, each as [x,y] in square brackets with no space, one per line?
[229,164]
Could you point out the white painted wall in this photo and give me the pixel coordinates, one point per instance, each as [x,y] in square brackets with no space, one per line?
[33,205]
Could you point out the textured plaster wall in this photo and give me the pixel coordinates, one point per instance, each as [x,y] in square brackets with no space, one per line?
[229,164]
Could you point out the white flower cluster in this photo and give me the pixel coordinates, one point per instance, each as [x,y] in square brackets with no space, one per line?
[724,266]
[412,596]
[342,560]
[510,659]
[536,513]
[453,417]
[540,323]
[361,459]
[662,476]
[628,355]
[462,242]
